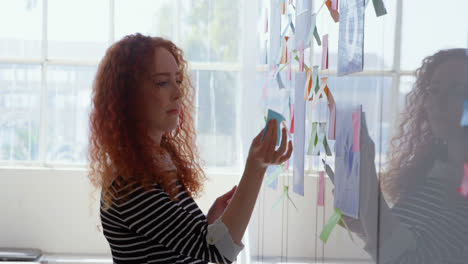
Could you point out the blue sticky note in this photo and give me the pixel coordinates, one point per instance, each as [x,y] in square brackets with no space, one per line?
[279,118]
[464,119]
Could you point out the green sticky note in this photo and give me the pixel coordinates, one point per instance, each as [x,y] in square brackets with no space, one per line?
[279,118]
[379,7]
[334,219]
[270,178]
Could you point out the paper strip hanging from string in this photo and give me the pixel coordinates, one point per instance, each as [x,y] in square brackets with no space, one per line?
[315,83]
[321,141]
[321,187]
[313,139]
[356,120]
[323,85]
[279,81]
[330,225]
[266,20]
[332,112]
[284,195]
[301,56]
[283,7]
[463,189]
[308,85]
[279,118]
[379,7]
[284,51]
[292,120]
[289,66]
[464,119]
[289,25]
[313,31]
[269,78]
[325,52]
[273,176]
[333,11]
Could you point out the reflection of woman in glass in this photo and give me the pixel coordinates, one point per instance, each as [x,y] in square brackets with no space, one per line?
[144,158]
[429,220]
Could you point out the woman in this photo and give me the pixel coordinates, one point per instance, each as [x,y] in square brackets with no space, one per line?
[428,222]
[144,159]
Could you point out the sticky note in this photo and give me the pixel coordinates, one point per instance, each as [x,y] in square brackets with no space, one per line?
[333,12]
[332,114]
[464,119]
[321,188]
[291,129]
[379,7]
[273,172]
[313,139]
[283,7]
[332,221]
[308,85]
[301,56]
[325,52]
[463,190]
[266,20]
[279,118]
[356,116]
[289,66]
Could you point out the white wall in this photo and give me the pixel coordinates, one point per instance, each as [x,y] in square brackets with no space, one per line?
[52,210]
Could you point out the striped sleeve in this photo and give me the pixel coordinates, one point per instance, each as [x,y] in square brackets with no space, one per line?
[154,215]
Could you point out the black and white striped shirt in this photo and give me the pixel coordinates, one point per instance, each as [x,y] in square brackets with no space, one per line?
[149,227]
[435,217]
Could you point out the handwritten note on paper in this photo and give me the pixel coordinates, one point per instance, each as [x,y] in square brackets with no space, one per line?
[464,119]
[299,134]
[325,52]
[356,130]
[347,163]
[351,38]
[463,190]
[279,118]
[321,187]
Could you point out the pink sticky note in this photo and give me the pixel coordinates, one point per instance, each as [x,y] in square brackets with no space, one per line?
[301,56]
[266,20]
[463,190]
[325,52]
[291,127]
[289,66]
[321,188]
[286,165]
[356,130]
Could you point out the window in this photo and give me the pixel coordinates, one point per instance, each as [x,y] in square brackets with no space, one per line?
[49,58]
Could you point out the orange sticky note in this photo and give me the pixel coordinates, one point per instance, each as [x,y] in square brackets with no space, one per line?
[321,187]
[333,8]
[325,52]
[284,51]
[283,7]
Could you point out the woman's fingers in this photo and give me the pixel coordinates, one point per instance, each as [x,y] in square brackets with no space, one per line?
[270,138]
[286,156]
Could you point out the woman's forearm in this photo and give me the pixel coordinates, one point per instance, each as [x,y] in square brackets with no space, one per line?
[237,215]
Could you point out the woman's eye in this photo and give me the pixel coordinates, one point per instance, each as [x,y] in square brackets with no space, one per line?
[161,83]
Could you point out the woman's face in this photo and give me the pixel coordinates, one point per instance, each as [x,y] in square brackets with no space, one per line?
[162,93]
[448,90]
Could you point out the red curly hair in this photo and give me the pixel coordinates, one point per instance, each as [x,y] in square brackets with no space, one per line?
[121,150]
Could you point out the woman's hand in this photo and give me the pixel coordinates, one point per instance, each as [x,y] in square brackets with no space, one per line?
[262,152]
[219,205]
